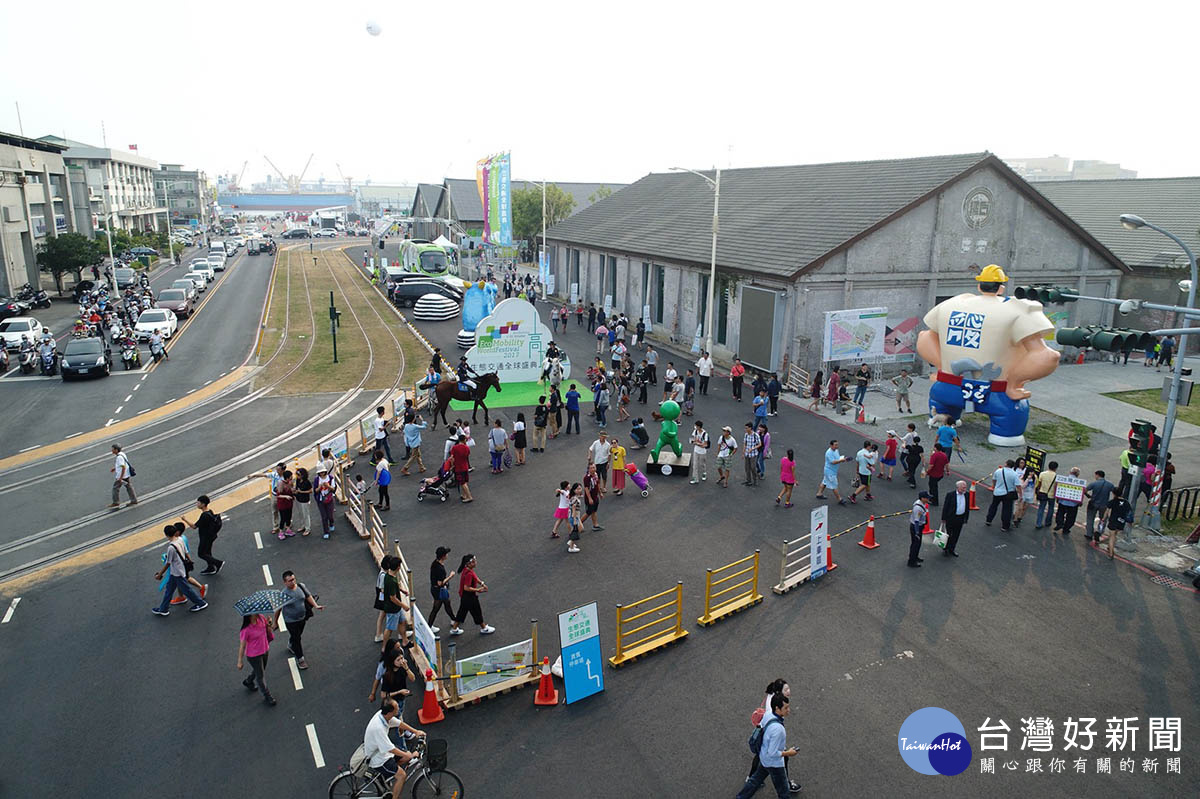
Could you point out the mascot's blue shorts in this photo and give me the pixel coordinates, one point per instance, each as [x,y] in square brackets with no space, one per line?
[1008,416]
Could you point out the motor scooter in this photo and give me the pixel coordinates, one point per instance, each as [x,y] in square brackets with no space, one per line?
[130,356]
[27,362]
[49,363]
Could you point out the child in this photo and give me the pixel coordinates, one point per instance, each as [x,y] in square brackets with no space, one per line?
[623,400]
[887,464]
[358,487]
[617,456]
[432,378]
[563,511]
[576,517]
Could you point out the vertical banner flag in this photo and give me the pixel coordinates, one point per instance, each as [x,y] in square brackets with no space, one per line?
[493,178]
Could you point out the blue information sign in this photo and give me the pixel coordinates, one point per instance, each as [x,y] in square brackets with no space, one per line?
[582,661]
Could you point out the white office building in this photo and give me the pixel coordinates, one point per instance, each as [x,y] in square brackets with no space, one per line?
[127,178]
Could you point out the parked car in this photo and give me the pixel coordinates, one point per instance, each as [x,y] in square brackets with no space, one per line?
[296,233]
[216,262]
[85,356]
[13,328]
[11,306]
[124,277]
[176,301]
[324,233]
[188,285]
[144,251]
[199,280]
[161,319]
[409,291]
[207,269]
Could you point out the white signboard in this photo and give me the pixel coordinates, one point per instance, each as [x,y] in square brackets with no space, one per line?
[398,404]
[338,445]
[498,665]
[608,304]
[367,426]
[550,283]
[646,317]
[696,340]
[1069,488]
[424,636]
[818,521]
[511,341]
[574,293]
[855,334]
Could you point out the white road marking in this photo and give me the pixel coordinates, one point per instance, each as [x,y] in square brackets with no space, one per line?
[267,574]
[172,399]
[189,392]
[262,498]
[35,446]
[296,681]
[206,383]
[282,625]
[139,413]
[222,374]
[128,398]
[145,375]
[109,422]
[139,385]
[318,758]
[257,539]
[13,609]
[118,410]
[75,434]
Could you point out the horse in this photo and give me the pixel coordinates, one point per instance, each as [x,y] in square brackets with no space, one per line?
[448,390]
[554,372]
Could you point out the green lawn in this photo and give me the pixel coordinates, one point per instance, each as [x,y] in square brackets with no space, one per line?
[1151,400]
[1046,430]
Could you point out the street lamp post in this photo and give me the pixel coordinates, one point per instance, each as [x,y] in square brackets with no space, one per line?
[715,185]
[108,234]
[1132,222]
[167,203]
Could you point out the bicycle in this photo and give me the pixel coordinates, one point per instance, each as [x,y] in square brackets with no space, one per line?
[427,773]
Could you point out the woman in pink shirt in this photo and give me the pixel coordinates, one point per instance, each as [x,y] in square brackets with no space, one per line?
[256,638]
[787,476]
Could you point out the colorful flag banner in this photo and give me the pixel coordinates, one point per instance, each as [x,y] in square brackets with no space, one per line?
[493,178]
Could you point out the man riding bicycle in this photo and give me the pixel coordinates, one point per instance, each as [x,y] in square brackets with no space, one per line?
[382,756]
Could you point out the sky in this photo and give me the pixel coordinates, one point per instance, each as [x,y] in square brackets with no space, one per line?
[603,92]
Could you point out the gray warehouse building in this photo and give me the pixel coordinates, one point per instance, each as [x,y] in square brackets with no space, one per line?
[796,242]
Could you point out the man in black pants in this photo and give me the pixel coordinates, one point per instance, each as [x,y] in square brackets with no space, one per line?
[1005,483]
[916,523]
[208,525]
[955,512]
[296,613]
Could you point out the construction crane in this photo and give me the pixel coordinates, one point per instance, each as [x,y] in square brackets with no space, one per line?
[349,181]
[237,184]
[292,181]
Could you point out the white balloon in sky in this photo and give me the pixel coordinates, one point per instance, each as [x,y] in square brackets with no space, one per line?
[373,28]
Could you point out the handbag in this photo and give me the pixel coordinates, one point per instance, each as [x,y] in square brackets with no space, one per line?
[444,593]
[941,537]
[188,564]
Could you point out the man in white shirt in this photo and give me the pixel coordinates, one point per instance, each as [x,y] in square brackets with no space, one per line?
[382,756]
[700,446]
[381,433]
[599,454]
[704,368]
[669,380]
[122,476]
[727,445]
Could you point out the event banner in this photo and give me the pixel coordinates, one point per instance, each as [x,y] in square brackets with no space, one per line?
[854,334]
[498,665]
[424,637]
[493,178]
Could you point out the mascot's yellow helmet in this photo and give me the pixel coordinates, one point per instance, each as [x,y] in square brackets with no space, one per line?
[992,274]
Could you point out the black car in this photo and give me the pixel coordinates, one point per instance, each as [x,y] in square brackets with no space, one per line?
[409,291]
[297,233]
[144,251]
[83,287]
[10,306]
[85,356]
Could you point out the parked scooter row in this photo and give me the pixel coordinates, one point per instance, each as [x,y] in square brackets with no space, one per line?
[34,299]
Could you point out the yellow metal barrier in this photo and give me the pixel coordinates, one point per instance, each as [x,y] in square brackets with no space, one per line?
[723,596]
[666,618]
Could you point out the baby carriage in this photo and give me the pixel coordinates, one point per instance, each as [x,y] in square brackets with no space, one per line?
[638,479]
[438,486]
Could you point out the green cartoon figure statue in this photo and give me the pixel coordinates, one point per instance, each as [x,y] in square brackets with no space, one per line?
[669,435]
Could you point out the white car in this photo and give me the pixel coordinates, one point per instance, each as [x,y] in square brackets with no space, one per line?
[216,262]
[199,280]
[207,269]
[239,240]
[14,327]
[155,319]
[324,233]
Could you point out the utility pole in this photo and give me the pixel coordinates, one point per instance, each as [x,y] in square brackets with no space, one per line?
[334,319]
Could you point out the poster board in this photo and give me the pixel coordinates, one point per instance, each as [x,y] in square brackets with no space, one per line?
[1069,488]
[514,656]
[339,446]
[854,334]
[424,637]
[398,404]
[582,658]
[1035,458]
[367,427]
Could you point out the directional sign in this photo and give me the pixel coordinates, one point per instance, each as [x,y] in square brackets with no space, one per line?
[819,525]
[579,638]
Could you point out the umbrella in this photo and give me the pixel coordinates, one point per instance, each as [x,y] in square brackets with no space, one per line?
[268,600]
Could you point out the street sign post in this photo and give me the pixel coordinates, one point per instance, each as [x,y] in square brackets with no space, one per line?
[579,639]
[818,521]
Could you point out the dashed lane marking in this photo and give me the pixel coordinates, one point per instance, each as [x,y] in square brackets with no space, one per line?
[296,681]
[267,574]
[262,499]
[139,385]
[128,397]
[118,410]
[315,745]
[74,434]
[8,614]
[109,422]
[257,539]
[35,446]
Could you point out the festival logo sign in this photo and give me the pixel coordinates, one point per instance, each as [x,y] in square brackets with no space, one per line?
[512,342]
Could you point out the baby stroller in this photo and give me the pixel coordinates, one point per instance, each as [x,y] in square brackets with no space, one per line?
[638,479]
[438,486]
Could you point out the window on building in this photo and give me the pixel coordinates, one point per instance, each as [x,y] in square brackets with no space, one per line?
[722,315]
[645,298]
[612,277]
[703,318]
[660,285]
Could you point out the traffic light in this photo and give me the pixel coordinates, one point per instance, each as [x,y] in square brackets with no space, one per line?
[1108,339]
[1046,295]
[1141,441]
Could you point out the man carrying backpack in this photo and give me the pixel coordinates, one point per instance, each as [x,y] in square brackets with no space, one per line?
[208,525]
[769,742]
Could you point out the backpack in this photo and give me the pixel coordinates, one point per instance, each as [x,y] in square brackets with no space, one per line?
[384,478]
[756,737]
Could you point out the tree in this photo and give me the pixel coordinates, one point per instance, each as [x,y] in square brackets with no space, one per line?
[68,252]
[527,210]
[599,194]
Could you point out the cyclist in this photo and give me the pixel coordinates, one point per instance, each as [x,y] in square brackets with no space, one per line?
[382,755]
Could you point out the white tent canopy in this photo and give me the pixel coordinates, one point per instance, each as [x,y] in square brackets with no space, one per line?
[442,241]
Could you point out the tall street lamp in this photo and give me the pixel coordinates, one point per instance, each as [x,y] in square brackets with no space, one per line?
[1133,222]
[715,185]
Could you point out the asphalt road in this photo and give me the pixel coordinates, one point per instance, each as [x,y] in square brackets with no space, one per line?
[1023,624]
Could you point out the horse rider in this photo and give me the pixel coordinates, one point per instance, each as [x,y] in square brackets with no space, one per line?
[465,372]
[553,353]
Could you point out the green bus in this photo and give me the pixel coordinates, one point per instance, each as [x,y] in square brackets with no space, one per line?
[425,258]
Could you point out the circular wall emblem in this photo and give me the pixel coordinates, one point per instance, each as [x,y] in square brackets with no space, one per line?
[977,207]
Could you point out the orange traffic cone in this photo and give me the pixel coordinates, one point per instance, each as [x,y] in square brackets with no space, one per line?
[829,564]
[546,692]
[430,710]
[861,416]
[971,503]
[868,541]
[928,530]
[1079,360]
